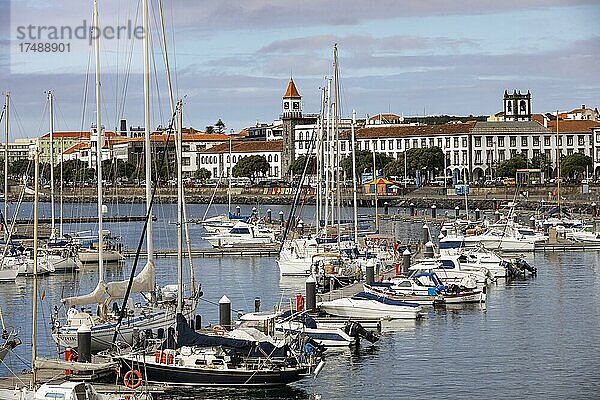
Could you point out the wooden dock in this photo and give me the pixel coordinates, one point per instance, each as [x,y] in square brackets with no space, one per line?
[566,246]
[264,251]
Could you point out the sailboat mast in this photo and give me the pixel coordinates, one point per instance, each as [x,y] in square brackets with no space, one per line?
[147,133]
[336,126]
[52,208]
[354,191]
[6,108]
[558,165]
[36,157]
[375,186]
[60,193]
[327,160]
[319,157]
[179,209]
[229,175]
[99,146]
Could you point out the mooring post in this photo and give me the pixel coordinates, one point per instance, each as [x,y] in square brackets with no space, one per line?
[456,211]
[532,222]
[370,267]
[269,216]
[406,261]
[477,214]
[225,312]
[497,216]
[433,211]
[425,234]
[84,344]
[257,304]
[412,209]
[281,218]
[311,294]
[386,208]
[429,252]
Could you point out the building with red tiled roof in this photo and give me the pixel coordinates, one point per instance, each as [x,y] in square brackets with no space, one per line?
[64,140]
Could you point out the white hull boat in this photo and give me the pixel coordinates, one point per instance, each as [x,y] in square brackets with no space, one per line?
[242,234]
[368,306]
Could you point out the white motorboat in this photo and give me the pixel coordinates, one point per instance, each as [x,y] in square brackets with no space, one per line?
[369,306]
[242,234]
[449,269]
[8,273]
[476,259]
[64,391]
[497,239]
[90,256]
[584,236]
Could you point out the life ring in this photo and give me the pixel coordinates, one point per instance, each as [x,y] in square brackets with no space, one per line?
[219,330]
[132,379]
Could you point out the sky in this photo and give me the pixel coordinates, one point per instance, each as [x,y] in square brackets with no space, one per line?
[232,60]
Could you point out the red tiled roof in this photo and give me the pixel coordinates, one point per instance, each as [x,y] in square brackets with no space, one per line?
[247,147]
[74,135]
[77,147]
[573,126]
[291,90]
[421,130]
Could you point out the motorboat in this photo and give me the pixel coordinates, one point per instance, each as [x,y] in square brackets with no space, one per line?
[370,306]
[242,234]
[68,390]
[293,323]
[244,357]
[450,269]
[415,293]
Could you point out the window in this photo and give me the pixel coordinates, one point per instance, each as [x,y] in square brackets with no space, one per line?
[391,144]
[536,152]
[524,141]
[431,142]
[477,156]
[478,141]
[423,143]
[343,146]
[398,144]
[523,106]
[501,141]
[488,141]
[296,105]
[536,140]
[509,106]
[300,145]
[501,156]
[366,146]
[185,161]
[569,152]
[276,170]
[439,143]
[270,158]
[407,142]
[383,145]
[569,140]
[513,153]
[227,158]
[415,143]
[447,142]
[456,157]
[276,157]
[464,142]
[513,141]
[286,106]
[375,145]
[455,142]
[464,157]
[546,140]
[581,140]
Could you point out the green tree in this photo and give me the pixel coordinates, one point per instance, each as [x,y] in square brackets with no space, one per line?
[209,129]
[202,174]
[575,164]
[364,162]
[250,167]
[428,159]
[113,169]
[18,168]
[76,171]
[541,161]
[509,167]
[220,125]
[297,166]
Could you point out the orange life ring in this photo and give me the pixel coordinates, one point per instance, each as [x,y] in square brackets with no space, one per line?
[219,330]
[132,379]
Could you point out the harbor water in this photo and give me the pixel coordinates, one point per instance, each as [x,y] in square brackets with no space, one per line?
[537,338]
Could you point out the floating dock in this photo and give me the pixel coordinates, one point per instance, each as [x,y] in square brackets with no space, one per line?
[263,251]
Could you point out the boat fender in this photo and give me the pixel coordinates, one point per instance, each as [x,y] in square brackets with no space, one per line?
[170,359]
[163,357]
[157,356]
[132,379]
[319,367]
[219,330]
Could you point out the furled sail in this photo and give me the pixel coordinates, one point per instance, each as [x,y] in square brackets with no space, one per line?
[143,282]
[96,297]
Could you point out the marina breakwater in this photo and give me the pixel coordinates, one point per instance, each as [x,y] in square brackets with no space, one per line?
[485,198]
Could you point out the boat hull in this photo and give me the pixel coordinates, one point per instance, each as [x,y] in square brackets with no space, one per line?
[91,257]
[368,309]
[186,376]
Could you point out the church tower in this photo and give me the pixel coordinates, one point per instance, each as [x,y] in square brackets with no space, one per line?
[291,116]
[517,106]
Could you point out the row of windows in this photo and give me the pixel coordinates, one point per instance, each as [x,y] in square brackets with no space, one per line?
[234,159]
[490,142]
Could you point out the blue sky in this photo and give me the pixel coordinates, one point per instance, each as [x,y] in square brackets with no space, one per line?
[232,59]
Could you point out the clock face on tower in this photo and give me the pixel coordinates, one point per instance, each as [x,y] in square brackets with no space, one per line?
[296,105]
[286,105]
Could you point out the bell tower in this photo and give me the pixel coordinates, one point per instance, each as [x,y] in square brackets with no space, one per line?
[517,106]
[291,116]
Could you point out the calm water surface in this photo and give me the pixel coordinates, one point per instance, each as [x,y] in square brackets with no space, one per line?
[534,339]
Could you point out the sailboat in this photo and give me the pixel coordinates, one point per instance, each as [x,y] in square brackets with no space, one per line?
[9,339]
[56,390]
[120,322]
[241,358]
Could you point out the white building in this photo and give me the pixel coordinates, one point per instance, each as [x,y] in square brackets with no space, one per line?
[219,159]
